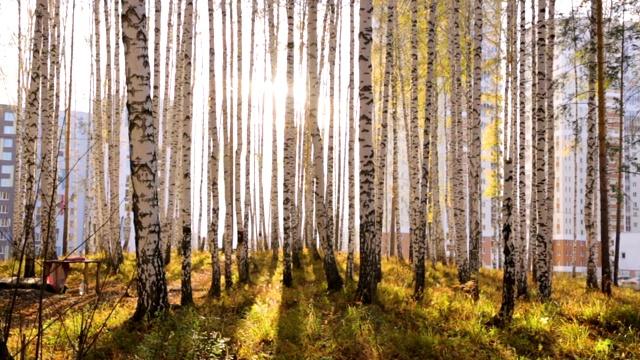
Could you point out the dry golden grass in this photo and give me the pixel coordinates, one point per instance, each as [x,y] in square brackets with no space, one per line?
[264,320]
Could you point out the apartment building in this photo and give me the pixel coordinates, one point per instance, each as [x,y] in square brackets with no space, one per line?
[77,177]
[7,172]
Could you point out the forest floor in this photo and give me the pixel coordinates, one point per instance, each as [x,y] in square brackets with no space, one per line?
[264,320]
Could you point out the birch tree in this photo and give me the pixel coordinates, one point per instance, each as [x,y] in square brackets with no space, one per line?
[150,274]
[602,156]
[474,158]
[521,258]
[334,280]
[213,172]
[30,144]
[289,155]
[368,279]
[592,146]
[351,242]
[185,215]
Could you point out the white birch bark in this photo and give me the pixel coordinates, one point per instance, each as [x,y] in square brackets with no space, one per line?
[185,214]
[213,162]
[369,269]
[151,282]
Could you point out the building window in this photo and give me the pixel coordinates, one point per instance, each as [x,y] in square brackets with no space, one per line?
[4,209]
[6,222]
[6,156]
[6,182]
[8,143]
[559,252]
[7,169]
[9,116]
[624,255]
[484,251]
[4,195]
[9,130]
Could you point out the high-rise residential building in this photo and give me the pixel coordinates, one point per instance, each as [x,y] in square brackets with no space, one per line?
[7,171]
[570,166]
[77,176]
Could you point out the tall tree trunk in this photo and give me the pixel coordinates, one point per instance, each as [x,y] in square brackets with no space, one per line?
[521,257]
[602,157]
[592,146]
[334,280]
[351,241]
[550,135]
[67,124]
[542,264]
[509,275]
[381,149]
[242,244]
[249,201]
[18,208]
[151,281]
[457,172]
[369,269]
[415,216]
[165,214]
[334,15]
[474,158]
[186,243]
[274,201]
[533,210]
[47,167]
[228,147]
[30,144]
[213,170]
[619,195]
[289,156]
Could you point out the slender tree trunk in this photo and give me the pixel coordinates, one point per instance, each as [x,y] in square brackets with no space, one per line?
[30,144]
[509,275]
[214,153]
[592,146]
[18,208]
[67,160]
[273,55]
[351,242]
[228,146]
[333,15]
[187,241]
[369,269]
[619,195]
[521,256]
[47,171]
[242,244]
[533,210]
[151,282]
[415,218]
[289,155]
[163,170]
[380,189]
[334,280]
[249,201]
[550,135]
[457,172]
[474,158]
[602,157]
[542,263]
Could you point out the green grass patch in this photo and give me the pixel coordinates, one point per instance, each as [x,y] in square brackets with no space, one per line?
[264,320]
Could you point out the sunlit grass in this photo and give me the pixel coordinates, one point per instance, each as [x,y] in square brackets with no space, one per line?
[263,320]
